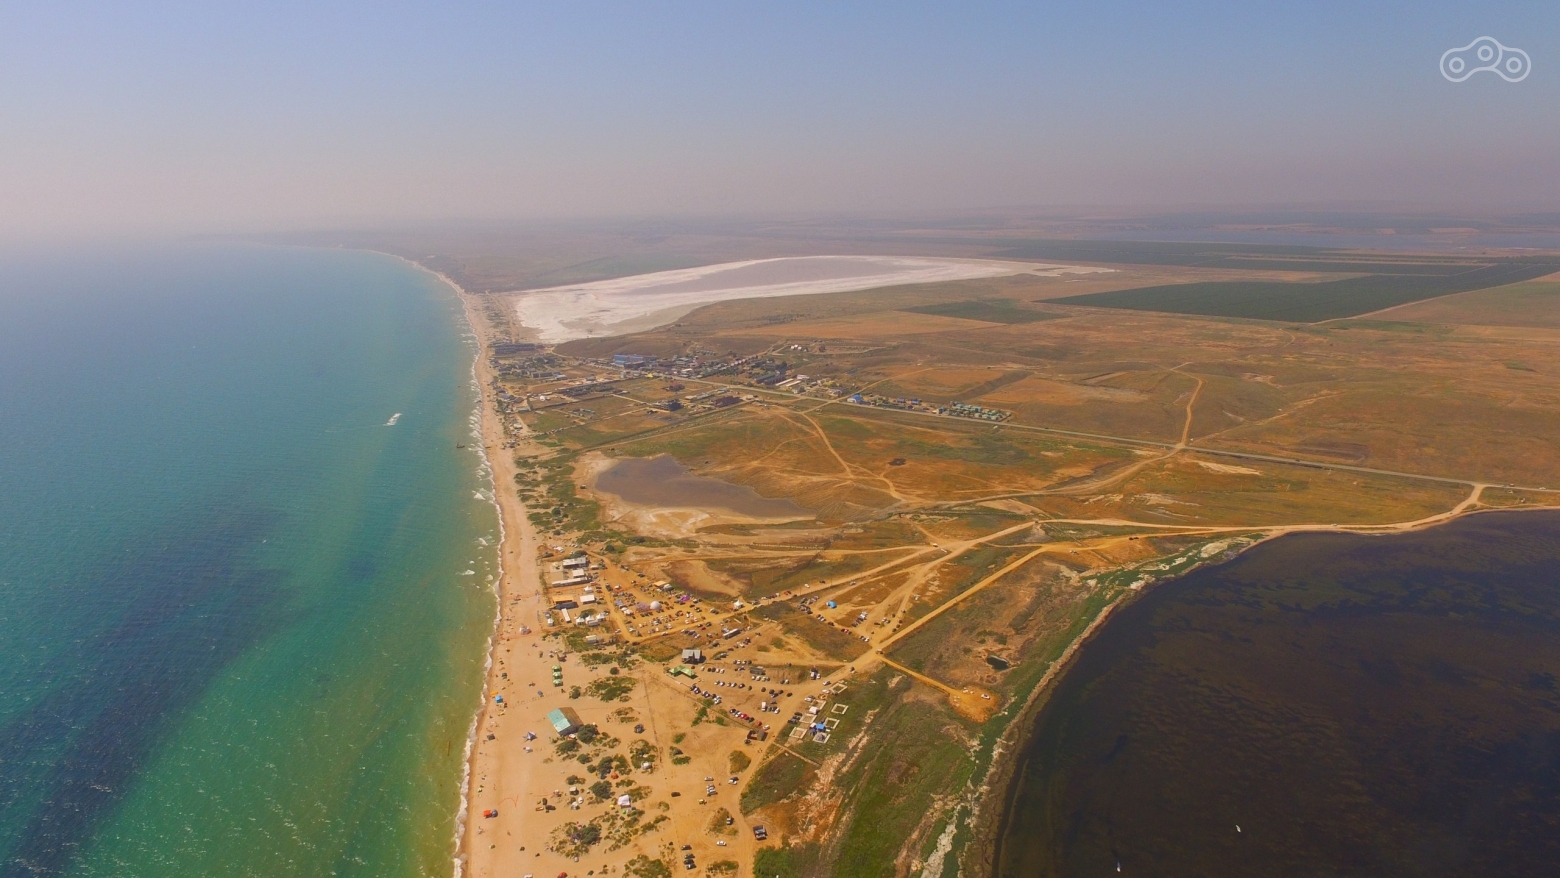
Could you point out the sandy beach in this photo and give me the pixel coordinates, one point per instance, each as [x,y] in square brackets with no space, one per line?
[518,790]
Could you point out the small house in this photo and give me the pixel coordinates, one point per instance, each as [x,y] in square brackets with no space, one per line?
[564,721]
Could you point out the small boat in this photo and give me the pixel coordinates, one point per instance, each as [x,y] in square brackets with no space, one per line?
[393,418]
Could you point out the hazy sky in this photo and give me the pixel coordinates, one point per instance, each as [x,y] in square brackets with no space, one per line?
[226,116]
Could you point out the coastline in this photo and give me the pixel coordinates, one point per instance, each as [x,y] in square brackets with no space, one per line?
[516,554]
[990,798]
[517,566]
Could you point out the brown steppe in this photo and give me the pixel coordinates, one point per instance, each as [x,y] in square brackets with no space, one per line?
[965,559]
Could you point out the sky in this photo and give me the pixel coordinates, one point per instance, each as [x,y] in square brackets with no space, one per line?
[225,117]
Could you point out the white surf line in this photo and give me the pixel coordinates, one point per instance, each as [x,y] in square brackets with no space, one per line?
[496,583]
[638,302]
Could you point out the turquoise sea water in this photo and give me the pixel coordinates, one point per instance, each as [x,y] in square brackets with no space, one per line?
[237,631]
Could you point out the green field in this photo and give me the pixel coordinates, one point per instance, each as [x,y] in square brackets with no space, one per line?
[1310,302]
[1252,257]
[987,310]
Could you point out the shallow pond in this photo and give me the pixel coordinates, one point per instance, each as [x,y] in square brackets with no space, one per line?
[662,481]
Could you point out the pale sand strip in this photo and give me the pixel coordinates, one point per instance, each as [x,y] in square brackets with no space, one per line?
[639,302]
[520,599]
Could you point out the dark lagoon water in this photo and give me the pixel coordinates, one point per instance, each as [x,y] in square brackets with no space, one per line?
[241,619]
[1357,706]
[662,481]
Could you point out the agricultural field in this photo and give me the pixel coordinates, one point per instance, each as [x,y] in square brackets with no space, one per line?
[1316,302]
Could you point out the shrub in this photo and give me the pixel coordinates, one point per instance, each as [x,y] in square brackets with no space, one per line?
[644,867]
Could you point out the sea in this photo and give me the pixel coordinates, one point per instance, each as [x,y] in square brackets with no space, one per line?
[246,567]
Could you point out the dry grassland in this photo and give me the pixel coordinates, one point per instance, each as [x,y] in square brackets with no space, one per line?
[963,558]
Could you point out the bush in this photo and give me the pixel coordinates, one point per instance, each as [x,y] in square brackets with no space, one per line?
[786,862]
[641,752]
[574,839]
[644,867]
[738,761]
[587,733]
[612,688]
[601,789]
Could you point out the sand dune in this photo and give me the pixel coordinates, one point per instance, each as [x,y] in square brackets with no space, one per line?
[630,304]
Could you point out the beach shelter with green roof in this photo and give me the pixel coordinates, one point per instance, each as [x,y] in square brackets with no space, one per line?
[564,721]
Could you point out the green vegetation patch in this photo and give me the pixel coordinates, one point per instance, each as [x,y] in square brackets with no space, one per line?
[834,642]
[986,310]
[611,688]
[1253,257]
[644,867]
[776,779]
[917,754]
[791,861]
[1308,302]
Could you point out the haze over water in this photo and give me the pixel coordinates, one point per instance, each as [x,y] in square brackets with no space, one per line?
[237,631]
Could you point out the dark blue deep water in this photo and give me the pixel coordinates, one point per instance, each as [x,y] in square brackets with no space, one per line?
[1356,706]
